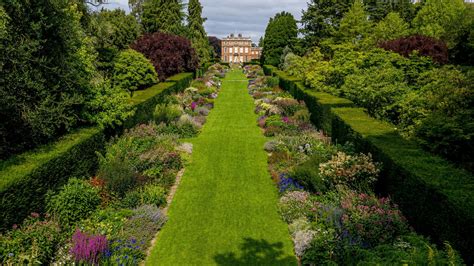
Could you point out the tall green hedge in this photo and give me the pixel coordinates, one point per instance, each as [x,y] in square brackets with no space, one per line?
[436,196]
[25,179]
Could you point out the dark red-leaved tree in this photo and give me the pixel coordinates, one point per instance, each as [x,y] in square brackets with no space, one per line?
[216,45]
[169,54]
[426,46]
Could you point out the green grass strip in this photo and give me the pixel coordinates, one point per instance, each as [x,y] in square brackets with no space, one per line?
[225,209]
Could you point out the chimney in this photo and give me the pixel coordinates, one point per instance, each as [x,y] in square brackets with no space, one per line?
[240,35]
[232,35]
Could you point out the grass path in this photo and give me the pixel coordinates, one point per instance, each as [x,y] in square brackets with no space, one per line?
[225,209]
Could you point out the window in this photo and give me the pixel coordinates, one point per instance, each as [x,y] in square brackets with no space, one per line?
[241,49]
[225,50]
[230,49]
[246,49]
[230,58]
[241,59]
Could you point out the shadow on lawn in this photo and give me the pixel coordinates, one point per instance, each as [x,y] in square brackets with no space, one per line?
[257,252]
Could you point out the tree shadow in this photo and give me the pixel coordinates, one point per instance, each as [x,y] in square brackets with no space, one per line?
[257,252]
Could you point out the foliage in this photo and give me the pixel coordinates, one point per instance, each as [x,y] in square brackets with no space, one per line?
[153,195]
[112,31]
[441,19]
[45,99]
[168,53]
[167,113]
[377,89]
[216,47]
[165,16]
[197,34]
[109,106]
[34,242]
[88,248]
[354,25]
[322,18]
[425,46]
[391,27]
[132,71]
[74,201]
[371,221]
[281,32]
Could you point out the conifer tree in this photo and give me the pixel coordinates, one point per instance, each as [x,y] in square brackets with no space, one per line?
[355,24]
[280,33]
[196,32]
[163,15]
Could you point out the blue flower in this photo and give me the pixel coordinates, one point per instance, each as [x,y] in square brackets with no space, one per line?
[10,254]
[133,241]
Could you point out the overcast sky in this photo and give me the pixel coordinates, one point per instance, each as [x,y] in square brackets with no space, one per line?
[249,17]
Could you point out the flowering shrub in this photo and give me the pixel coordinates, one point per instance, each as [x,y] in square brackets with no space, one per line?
[354,171]
[294,205]
[88,248]
[373,221]
[32,243]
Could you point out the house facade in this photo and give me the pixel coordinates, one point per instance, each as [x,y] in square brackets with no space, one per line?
[239,49]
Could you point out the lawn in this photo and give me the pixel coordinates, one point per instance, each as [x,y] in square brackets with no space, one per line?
[225,209]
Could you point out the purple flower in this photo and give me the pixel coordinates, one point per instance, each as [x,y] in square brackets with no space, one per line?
[193,106]
[287,183]
[87,248]
[285,119]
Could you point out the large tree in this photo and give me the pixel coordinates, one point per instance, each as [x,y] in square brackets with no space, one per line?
[46,65]
[442,19]
[163,15]
[281,32]
[196,32]
[321,19]
[355,24]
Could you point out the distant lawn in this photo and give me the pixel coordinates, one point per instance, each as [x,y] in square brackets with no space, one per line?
[225,209]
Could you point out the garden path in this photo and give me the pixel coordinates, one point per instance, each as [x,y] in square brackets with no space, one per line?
[225,209]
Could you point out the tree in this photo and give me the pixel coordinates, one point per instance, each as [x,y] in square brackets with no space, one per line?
[378,9]
[216,46]
[169,54]
[163,15]
[423,45]
[321,19]
[112,31]
[133,71]
[355,25]
[281,32]
[47,65]
[442,19]
[197,33]
[391,27]
[260,42]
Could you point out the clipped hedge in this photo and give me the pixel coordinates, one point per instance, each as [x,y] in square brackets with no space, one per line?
[436,196]
[26,178]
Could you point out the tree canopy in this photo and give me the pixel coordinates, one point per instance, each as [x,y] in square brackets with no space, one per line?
[163,15]
[281,32]
[196,32]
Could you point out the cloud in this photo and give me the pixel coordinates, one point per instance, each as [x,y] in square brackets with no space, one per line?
[249,17]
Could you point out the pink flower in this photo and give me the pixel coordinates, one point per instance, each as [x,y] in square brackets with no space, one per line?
[35,215]
[193,106]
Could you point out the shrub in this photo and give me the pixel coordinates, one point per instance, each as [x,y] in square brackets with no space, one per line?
[423,45]
[74,201]
[168,53]
[132,71]
[273,82]
[153,195]
[88,248]
[370,220]
[308,175]
[34,242]
[354,171]
[167,113]
[116,167]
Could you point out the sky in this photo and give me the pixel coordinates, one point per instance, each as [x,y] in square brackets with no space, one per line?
[249,17]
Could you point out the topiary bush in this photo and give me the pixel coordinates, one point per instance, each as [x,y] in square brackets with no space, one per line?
[75,201]
[133,71]
[168,53]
